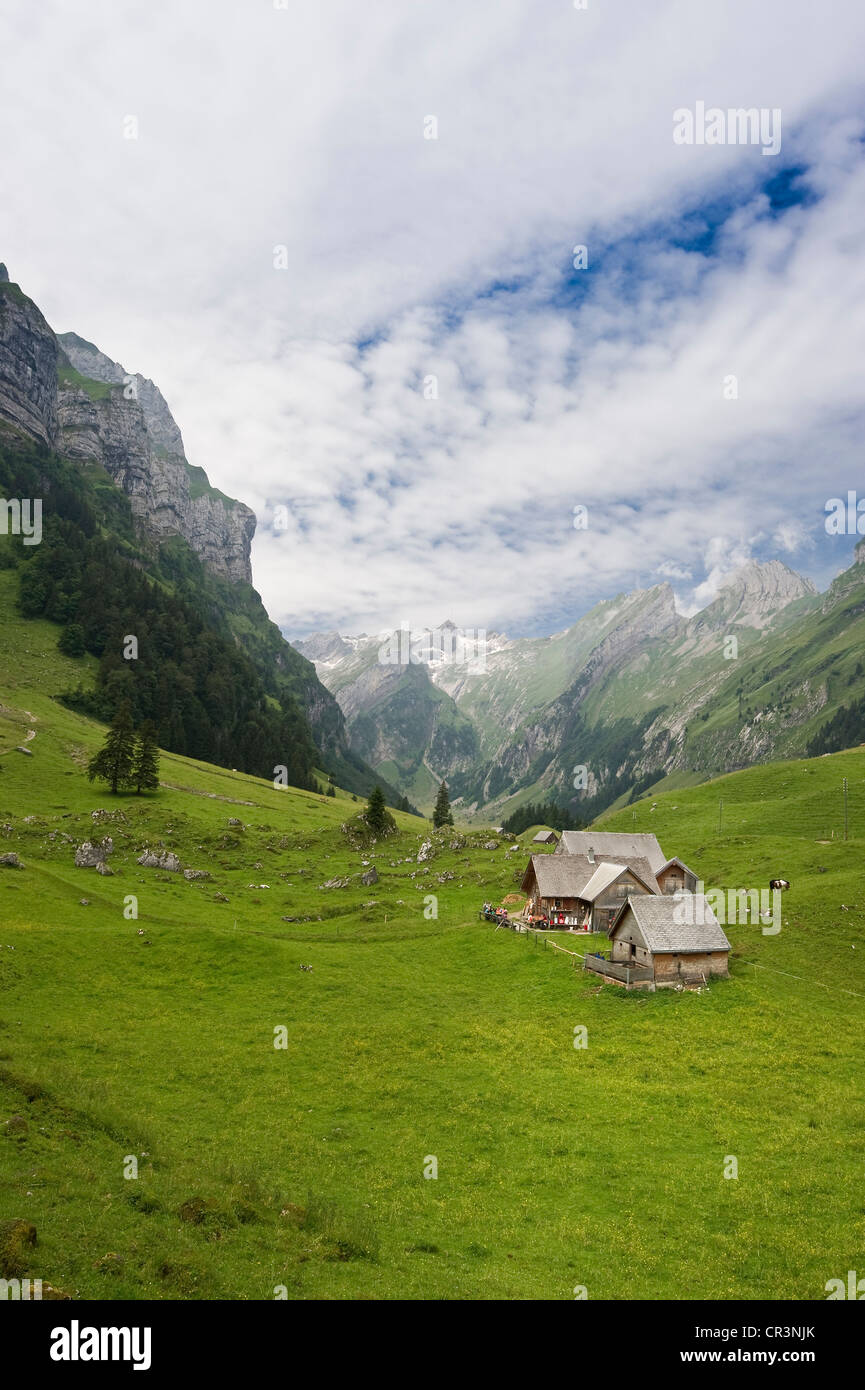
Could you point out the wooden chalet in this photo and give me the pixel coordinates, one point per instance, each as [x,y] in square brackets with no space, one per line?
[672,875]
[676,877]
[546,837]
[583,893]
[664,941]
[612,844]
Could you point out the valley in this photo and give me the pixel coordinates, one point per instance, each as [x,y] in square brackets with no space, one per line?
[299,1172]
[265,1053]
[634,693]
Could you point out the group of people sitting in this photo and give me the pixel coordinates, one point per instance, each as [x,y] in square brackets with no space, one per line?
[494,914]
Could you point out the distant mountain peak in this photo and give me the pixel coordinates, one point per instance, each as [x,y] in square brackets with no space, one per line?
[4,274]
[754,593]
[769,577]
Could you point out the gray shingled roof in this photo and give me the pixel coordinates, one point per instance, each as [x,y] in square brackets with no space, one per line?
[544,837]
[560,875]
[573,876]
[661,931]
[614,845]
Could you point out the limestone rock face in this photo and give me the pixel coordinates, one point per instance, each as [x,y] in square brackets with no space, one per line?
[97,366]
[130,430]
[28,366]
[67,394]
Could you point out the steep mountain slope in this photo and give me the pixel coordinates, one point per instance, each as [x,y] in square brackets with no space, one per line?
[634,691]
[63,402]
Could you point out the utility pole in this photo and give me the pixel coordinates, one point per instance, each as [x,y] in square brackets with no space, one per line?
[845,808]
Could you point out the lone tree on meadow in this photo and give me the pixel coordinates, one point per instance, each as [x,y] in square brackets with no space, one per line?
[442,810]
[145,762]
[113,762]
[376,813]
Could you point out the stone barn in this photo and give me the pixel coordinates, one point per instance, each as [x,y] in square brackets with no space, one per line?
[666,940]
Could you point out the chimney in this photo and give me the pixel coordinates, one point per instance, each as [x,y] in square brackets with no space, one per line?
[591,854]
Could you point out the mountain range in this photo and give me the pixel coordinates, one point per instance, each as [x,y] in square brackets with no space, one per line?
[632,694]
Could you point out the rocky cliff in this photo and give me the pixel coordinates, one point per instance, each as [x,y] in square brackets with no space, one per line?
[128,427]
[28,365]
[67,394]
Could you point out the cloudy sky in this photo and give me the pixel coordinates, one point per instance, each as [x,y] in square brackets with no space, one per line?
[380,341]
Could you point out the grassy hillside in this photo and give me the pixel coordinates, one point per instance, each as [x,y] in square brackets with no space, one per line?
[411,1036]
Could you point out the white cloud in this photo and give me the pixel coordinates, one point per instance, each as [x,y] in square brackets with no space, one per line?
[304,128]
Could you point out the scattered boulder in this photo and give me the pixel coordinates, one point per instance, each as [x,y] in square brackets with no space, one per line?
[371,876]
[92,853]
[220,898]
[100,815]
[17,1237]
[83,902]
[25,751]
[491,844]
[235,823]
[334,883]
[426,851]
[104,870]
[10,861]
[458,842]
[193,874]
[150,859]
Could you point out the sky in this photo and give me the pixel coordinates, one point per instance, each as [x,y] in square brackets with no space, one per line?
[380,341]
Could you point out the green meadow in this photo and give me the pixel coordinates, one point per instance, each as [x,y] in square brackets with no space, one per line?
[419,1039]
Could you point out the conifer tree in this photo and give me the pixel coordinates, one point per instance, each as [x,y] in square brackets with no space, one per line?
[376,814]
[442,810]
[113,762]
[145,762]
